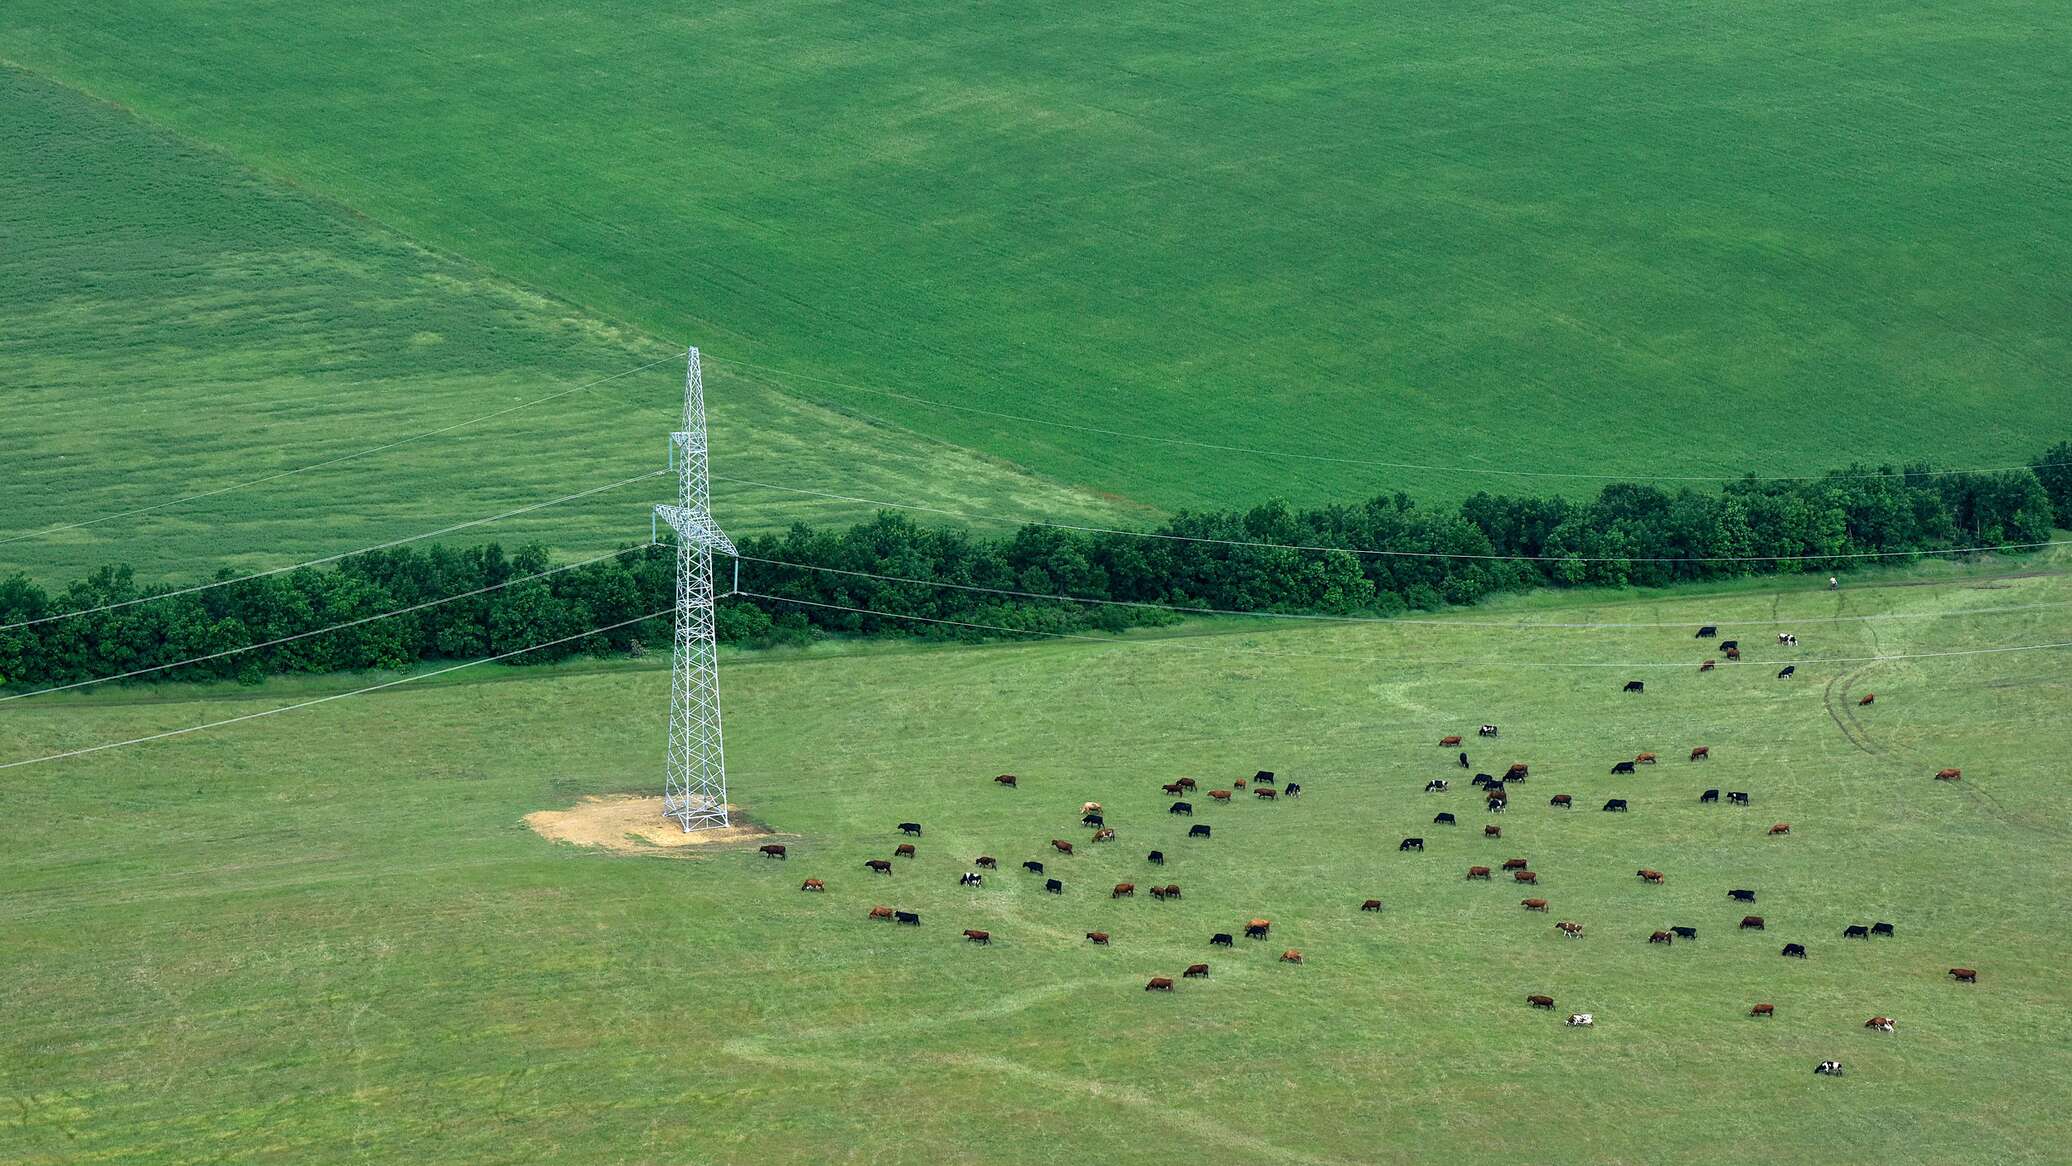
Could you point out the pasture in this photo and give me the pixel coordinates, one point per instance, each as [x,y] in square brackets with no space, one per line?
[329,934]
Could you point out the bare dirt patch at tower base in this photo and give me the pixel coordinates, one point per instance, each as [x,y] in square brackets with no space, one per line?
[634,825]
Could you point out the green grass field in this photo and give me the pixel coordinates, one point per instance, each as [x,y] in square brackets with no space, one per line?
[1631,238]
[328,936]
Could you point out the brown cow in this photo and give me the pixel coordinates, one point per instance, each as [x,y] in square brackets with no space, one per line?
[1171,787]
[1159,984]
[987,861]
[1518,769]
[1219,795]
[1708,666]
[1171,891]
[1648,876]
[773,850]
[1662,937]
[1701,753]
[1099,937]
[1526,876]
[1186,783]
[1533,904]
[903,850]
[1515,864]
[1239,783]
[1105,834]
[1257,928]
[1570,928]
[1733,653]
[1478,872]
[1646,759]
[1965,975]
[1291,956]
[879,865]
[1540,1001]
[1781,828]
[1089,807]
[1453,740]
[1882,1023]
[1195,971]
[1122,889]
[1561,800]
[1061,846]
[1006,779]
[1868,698]
[1265,795]
[1492,831]
[881,912]
[1949,774]
[976,936]
[1371,905]
[812,885]
[1763,1010]
[1751,923]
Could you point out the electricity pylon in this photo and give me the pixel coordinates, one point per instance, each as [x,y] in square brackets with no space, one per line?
[695,794]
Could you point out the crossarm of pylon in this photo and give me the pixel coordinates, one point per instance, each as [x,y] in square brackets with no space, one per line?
[696,527]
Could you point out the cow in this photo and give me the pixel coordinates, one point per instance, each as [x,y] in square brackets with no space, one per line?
[1708,665]
[971,878]
[1410,844]
[1711,795]
[1443,820]
[1220,939]
[1195,971]
[813,885]
[1569,929]
[1450,741]
[1868,698]
[1238,784]
[1732,653]
[1497,800]
[1169,891]
[1857,931]
[1538,1001]
[1486,731]
[1122,889]
[1435,786]
[1515,864]
[1219,795]
[1685,932]
[1514,777]
[1188,782]
[1033,867]
[1701,753]
[1197,831]
[1880,1023]
[880,865]
[1006,779]
[1785,672]
[1662,937]
[772,850]
[907,917]
[910,828]
[1794,950]
[881,913]
[1741,896]
[1526,876]
[1562,801]
[1092,820]
[1828,1068]
[1159,984]
[1054,886]
[1964,975]
[1172,788]
[1884,929]
[1737,797]
[1645,758]
[1635,686]
[1155,858]
[1266,795]
[987,862]
[1622,767]
[976,936]
[1769,1010]
[1107,835]
[1615,806]
[1492,831]
[1089,807]
[1581,1020]
[1484,781]
[1648,876]
[903,850]
[1375,904]
[1751,923]
[1478,872]
[1257,928]
[1061,846]
[1464,762]
[1730,645]
[1533,904]
[1097,938]
[1707,632]
[1294,789]
[1948,774]
[1291,956]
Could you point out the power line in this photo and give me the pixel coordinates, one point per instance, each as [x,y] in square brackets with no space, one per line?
[334,558]
[316,632]
[235,486]
[1164,439]
[326,699]
[969,517]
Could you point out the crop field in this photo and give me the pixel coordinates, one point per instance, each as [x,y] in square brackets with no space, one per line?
[330,934]
[1631,238]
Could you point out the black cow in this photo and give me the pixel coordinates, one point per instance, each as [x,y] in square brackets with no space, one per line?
[1622,767]
[1685,932]
[1484,781]
[1787,670]
[1737,797]
[1197,831]
[1615,806]
[1411,844]
[1464,762]
[1740,896]
[1033,867]
[1092,819]
[1856,931]
[1725,644]
[1294,790]
[1220,939]
[1711,795]
[1635,686]
[1254,931]
[1054,886]
[1513,777]
[910,827]
[1796,950]
[1181,808]
[1706,632]
[1155,858]
[1884,929]
[1264,775]
[1435,786]
[906,917]
[1443,820]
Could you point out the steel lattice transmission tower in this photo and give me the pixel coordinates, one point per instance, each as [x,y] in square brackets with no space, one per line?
[696,790]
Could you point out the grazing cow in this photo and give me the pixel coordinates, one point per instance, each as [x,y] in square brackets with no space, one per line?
[1172,890]
[1964,975]
[1662,937]
[1435,786]
[1538,1001]
[1763,1010]
[1786,671]
[1172,788]
[1868,698]
[1484,781]
[1949,774]
[1730,645]
[1570,929]
[988,862]
[1197,831]
[1741,896]
[881,913]
[1615,806]
[1478,872]
[1375,904]
[1188,782]
[1794,950]
[1464,762]
[1089,807]
[1648,876]
[1733,653]
[1054,886]
[1737,797]
[1711,795]
[1581,1020]
[903,850]
[1220,939]
[1881,1023]
[1033,867]
[1006,779]
[773,850]
[1780,828]
[1486,731]
[907,917]
[1159,984]
[813,885]
[1685,932]
[880,865]
[1526,876]
[1443,820]
[1515,864]
[1266,795]
[1701,753]
[1492,831]
[976,936]
[1105,835]
[1410,844]
[1635,686]
[1099,938]
[1751,923]
[1061,846]
[1533,904]
[1708,666]
[1884,929]
[1497,800]
[1219,795]
[1564,801]
[1706,632]
[1514,777]
[1828,1068]
[1238,784]
[1122,889]
[971,878]
[912,828]
[1622,767]
[1646,759]
[1453,740]
[1195,971]
[1294,789]
[1787,638]
[1257,928]
[1291,956]
[1518,769]
[1857,931]
[1092,820]
[1155,858]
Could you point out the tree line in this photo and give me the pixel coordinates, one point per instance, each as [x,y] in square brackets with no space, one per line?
[1384,556]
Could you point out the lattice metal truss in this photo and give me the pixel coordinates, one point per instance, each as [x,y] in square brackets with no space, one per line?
[695,794]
